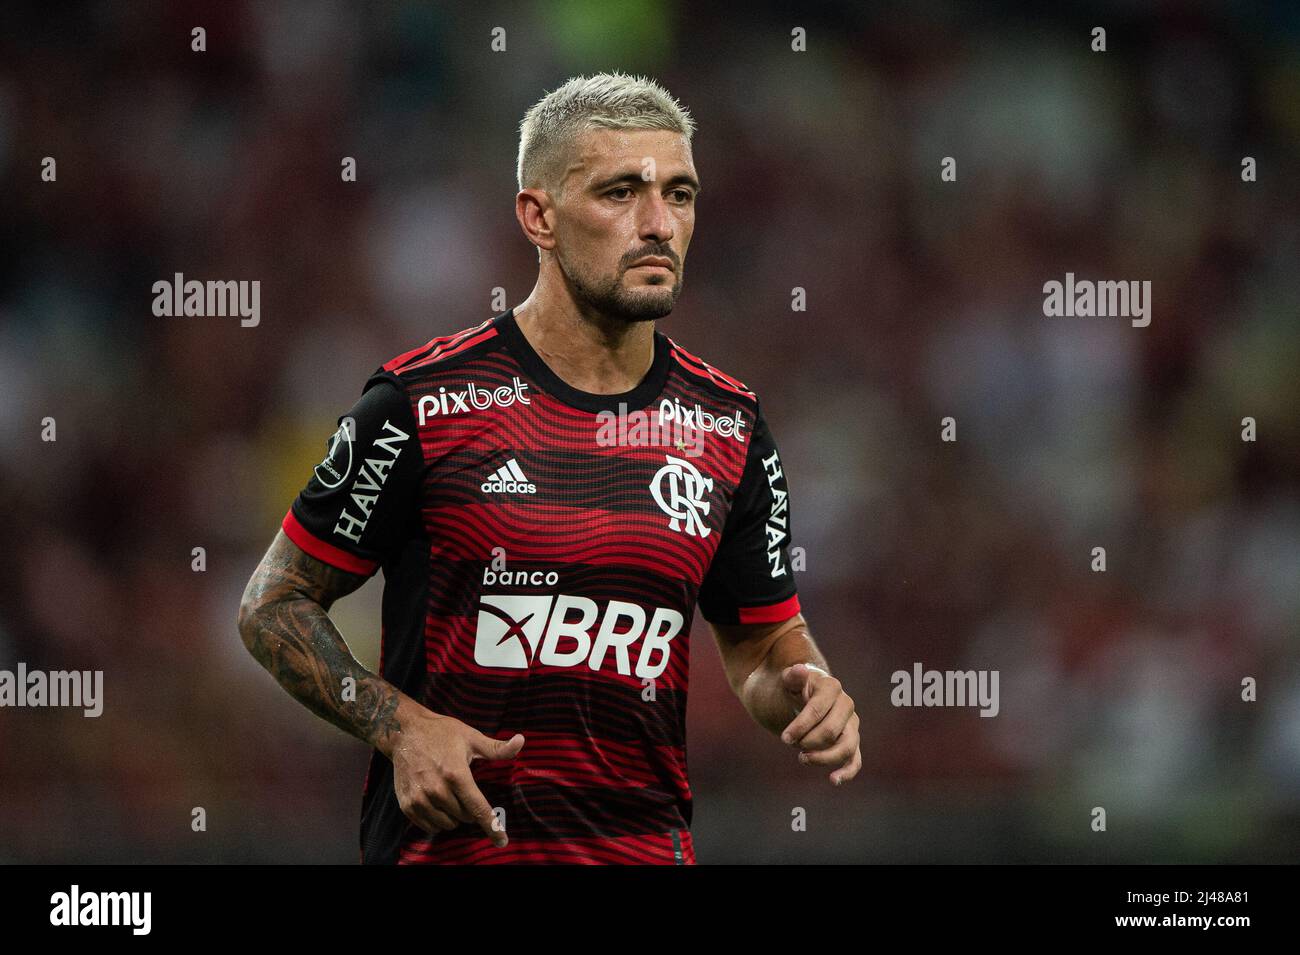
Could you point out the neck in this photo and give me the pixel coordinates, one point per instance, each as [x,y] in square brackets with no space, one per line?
[588,350]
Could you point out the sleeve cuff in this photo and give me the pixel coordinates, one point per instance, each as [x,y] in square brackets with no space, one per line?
[328,553]
[772,613]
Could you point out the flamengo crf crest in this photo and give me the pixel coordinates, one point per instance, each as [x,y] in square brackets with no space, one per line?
[679,488]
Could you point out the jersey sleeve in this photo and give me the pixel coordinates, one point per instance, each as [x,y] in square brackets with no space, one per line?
[750,579]
[361,502]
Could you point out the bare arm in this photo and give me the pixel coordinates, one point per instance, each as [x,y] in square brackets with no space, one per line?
[785,684]
[284,622]
[755,654]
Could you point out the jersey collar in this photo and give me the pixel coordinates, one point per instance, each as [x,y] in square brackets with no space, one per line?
[651,386]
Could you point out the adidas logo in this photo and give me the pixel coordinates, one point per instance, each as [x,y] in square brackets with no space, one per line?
[509,478]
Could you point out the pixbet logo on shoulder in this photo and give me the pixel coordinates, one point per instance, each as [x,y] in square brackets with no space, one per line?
[473,398]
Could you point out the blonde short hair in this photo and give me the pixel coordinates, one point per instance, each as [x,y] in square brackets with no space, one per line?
[604,100]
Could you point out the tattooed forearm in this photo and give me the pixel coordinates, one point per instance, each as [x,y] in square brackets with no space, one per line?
[284,622]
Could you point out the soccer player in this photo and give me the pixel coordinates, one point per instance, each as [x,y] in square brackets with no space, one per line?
[550,493]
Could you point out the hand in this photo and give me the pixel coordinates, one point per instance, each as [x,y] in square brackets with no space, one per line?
[431,775]
[825,726]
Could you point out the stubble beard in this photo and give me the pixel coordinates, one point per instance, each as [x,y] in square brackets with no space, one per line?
[608,296]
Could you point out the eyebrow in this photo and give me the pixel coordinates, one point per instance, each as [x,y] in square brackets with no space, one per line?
[633,178]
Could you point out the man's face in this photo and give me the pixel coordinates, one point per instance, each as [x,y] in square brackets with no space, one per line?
[627,195]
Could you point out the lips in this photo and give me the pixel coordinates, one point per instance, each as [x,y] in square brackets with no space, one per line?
[656,261]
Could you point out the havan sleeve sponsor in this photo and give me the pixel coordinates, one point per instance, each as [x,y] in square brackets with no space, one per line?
[361,502]
[750,579]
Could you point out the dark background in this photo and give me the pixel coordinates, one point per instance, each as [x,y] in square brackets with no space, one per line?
[821,170]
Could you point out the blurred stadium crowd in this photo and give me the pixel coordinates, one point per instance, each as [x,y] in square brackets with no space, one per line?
[821,170]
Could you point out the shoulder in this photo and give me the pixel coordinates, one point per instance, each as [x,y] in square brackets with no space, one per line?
[444,351]
[705,374]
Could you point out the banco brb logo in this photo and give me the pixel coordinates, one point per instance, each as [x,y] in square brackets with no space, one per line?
[678,488]
[514,630]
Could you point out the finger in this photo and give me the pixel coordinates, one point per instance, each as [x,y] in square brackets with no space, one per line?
[421,818]
[449,803]
[842,776]
[819,704]
[796,676]
[837,754]
[442,820]
[831,728]
[482,746]
[812,713]
[479,809]
[793,678]
[424,814]
[431,791]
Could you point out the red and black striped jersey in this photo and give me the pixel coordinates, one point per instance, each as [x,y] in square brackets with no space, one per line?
[543,552]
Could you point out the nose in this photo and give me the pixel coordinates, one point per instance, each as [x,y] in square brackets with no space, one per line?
[656,221]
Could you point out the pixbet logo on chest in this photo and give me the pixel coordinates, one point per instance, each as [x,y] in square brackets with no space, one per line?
[514,630]
[727,426]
